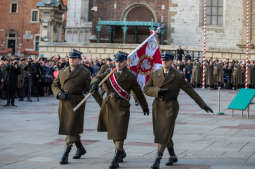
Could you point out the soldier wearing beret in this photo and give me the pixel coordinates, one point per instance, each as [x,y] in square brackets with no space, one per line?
[68,88]
[114,113]
[165,84]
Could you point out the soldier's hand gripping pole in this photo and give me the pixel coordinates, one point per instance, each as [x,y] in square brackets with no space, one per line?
[90,94]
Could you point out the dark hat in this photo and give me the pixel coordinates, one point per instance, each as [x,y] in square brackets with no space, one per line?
[120,56]
[75,54]
[109,59]
[4,59]
[166,57]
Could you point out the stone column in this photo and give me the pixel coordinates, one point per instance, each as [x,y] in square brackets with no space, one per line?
[124,30]
[110,29]
[136,33]
[98,33]
[162,35]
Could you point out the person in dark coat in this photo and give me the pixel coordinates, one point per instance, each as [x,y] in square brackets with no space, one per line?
[1,80]
[180,53]
[37,79]
[11,82]
[21,80]
[188,70]
[228,75]
[29,73]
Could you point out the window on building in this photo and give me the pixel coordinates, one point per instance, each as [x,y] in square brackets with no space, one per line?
[214,12]
[37,41]
[35,17]
[14,7]
[12,35]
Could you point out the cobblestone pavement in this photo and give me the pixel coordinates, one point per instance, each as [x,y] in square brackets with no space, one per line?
[29,139]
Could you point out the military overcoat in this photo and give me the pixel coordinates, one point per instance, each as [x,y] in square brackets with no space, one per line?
[76,83]
[115,112]
[165,112]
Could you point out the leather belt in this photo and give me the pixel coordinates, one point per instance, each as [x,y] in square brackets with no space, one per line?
[73,93]
[167,99]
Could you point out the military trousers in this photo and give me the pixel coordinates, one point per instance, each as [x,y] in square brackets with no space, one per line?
[72,139]
[118,144]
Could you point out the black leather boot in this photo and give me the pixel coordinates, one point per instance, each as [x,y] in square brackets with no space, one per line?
[173,158]
[80,150]
[156,163]
[64,159]
[122,156]
[115,160]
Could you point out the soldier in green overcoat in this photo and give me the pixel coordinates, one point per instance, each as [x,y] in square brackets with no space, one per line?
[236,75]
[69,87]
[165,84]
[115,110]
[196,73]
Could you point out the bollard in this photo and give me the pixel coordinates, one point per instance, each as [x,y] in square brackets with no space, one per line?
[219,112]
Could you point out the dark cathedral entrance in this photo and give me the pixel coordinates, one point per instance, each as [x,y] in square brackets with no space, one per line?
[139,34]
[134,27]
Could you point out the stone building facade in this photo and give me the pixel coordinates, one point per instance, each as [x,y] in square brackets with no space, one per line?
[187,23]
[79,21]
[183,20]
[52,20]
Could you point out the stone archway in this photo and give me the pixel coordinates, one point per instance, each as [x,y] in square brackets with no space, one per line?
[138,12]
[139,6]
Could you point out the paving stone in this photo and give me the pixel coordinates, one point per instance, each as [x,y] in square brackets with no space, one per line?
[30,140]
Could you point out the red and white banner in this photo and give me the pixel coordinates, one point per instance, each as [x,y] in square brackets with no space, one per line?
[145,60]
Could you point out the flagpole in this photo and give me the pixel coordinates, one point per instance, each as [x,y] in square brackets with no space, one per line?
[247,41]
[146,40]
[134,51]
[204,52]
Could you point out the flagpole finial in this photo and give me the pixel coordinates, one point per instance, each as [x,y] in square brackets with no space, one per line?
[162,26]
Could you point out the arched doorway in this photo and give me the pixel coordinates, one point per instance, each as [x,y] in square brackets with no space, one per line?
[138,12]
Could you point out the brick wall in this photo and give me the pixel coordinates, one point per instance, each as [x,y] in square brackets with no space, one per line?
[19,22]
